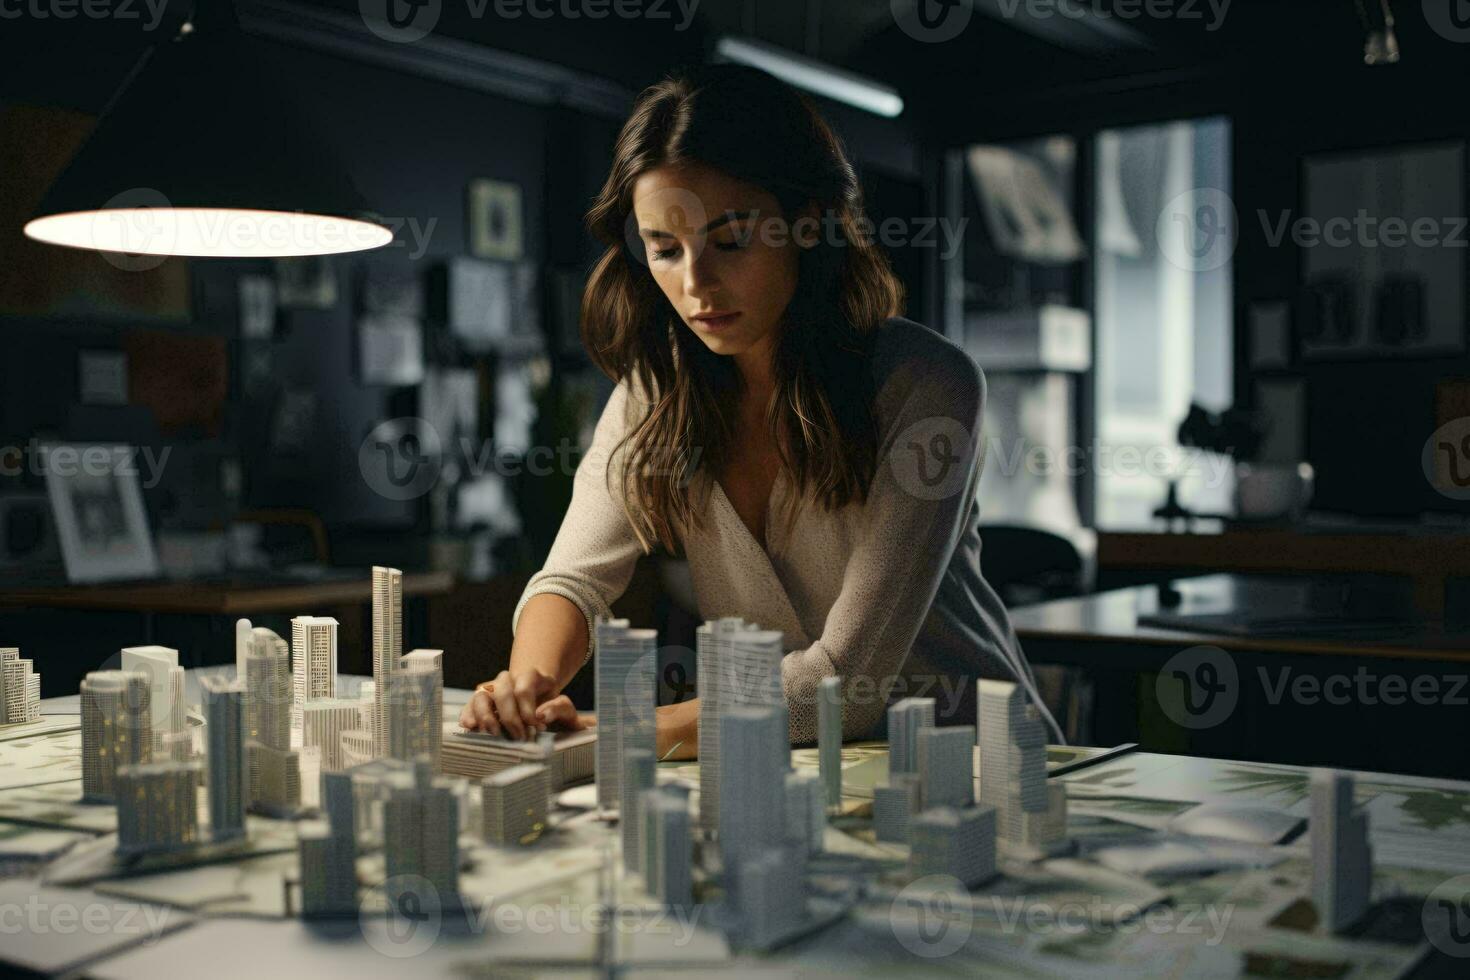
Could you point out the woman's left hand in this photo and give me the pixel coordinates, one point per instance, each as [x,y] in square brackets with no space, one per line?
[559,714]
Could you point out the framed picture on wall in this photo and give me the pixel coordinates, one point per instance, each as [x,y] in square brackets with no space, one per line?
[97,507]
[1382,272]
[495,221]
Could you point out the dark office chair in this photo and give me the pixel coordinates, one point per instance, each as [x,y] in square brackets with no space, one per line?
[1027,564]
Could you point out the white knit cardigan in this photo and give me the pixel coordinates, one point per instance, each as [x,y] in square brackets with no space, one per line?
[886,594]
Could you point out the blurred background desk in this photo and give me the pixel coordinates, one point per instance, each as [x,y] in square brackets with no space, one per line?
[1434,561]
[1294,658]
[76,629]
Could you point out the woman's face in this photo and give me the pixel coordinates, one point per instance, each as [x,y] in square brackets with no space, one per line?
[721,251]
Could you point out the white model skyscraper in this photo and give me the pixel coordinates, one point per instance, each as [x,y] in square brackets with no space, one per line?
[669,876]
[157,806]
[806,814]
[905,718]
[20,689]
[957,841]
[738,663]
[1342,858]
[117,729]
[416,706]
[514,802]
[638,764]
[314,656]
[829,738]
[166,686]
[894,807]
[1030,816]
[323,723]
[173,740]
[327,851]
[946,766]
[277,690]
[772,896]
[421,834]
[756,750]
[387,646]
[627,676]
[244,643]
[275,769]
[224,732]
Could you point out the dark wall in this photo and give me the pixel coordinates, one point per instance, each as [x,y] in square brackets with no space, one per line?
[1291,79]
[1367,420]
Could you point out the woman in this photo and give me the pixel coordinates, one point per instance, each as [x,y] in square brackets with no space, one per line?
[752,328]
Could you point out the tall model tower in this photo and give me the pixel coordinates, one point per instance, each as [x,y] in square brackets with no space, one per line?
[421,836]
[166,685]
[244,643]
[905,718]
[387,646]
[314,650]
[416,707]
[1029,814]
[829,739]
[738,663]
[117,729]
[1342,858]
[627,673]
[224,715]
[275,769]
[757,750]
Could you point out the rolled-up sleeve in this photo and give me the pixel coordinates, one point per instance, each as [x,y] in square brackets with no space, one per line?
[930,454]
[592,559]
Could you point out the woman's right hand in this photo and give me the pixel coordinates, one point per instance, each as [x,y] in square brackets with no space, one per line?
[507,704]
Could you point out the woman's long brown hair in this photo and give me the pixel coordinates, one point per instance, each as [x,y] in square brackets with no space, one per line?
[757,129]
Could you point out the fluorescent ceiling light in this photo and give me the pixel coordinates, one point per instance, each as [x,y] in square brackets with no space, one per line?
[812,75]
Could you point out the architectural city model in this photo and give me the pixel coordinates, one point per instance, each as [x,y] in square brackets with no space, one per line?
[967,802]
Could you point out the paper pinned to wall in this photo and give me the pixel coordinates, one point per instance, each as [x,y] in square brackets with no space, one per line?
[481,302]
[391,350]
[515,408]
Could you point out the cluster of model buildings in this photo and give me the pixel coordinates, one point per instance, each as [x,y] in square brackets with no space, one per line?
[758,821]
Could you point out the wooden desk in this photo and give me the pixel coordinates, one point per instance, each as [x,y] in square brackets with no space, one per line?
[222,599]
[1113,616]
[1427,557]
[1271,719]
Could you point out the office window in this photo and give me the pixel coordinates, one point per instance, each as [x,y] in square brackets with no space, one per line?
[1162,265]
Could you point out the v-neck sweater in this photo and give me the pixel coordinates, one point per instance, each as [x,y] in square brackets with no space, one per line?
[885,593]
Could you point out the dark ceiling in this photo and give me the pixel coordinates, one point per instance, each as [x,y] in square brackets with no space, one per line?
[1011,50]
